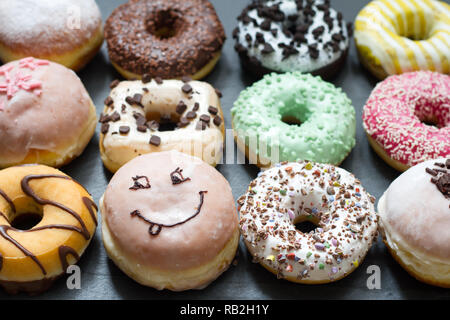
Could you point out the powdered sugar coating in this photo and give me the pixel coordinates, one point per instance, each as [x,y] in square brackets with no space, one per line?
[394,112]
[43,27]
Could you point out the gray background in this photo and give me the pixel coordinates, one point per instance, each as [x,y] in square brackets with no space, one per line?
[102,280]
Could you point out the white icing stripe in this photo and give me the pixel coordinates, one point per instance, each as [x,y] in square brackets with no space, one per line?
[377,14]
[441,8]
[427,12]
[442,47]
[400,10]
[416,16]
[434,55]
[381,6]
[401,56]
[418,54]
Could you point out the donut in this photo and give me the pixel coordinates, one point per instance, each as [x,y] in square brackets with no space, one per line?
[66,32]
[407,118]
[286,35]
[414,221]
[155,115]
[169,221]
[397,36]
[293,116]
[32,257]
[164,38]
[46,114]
[330,198]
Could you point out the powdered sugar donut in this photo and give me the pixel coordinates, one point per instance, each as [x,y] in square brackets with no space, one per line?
[331,198]
[64,31]
[407,118]
[288,35]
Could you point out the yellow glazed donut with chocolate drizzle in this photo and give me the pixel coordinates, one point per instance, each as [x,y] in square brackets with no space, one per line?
[32,258]
[398,36]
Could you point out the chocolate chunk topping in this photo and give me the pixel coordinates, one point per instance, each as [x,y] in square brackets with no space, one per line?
[183,122]
[105,128]
[213,110]
[142,128]
[146,78]
[181,107]
[109,101]
[155,140]
[124,129]
[186,79]
[191,115]
[159,80]
[114,84]
[196,106]
[218,92]
[441,177]
[201,125]
[217,120]
[115,116]
[186,88]
[267,49]
[205,118]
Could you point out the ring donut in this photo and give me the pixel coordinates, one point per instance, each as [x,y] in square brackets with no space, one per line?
[137,112]
[169,221]
[396,36]
[65,31]
[31,259]
[293,116]
[164,38]
[327,196]
[285,35]
[407,118]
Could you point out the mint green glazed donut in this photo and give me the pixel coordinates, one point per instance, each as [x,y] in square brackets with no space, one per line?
[326,132]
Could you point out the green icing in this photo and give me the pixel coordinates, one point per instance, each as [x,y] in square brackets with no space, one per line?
[327,130]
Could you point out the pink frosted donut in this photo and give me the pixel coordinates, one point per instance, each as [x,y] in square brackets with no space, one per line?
[407,118]
[46,114]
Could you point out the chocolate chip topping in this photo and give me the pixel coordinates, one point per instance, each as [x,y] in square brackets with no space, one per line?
[155,140]
[191,115]
[109,101]
[181,107]
[114,84]
[205,118]
[136,47]
[124,129]
[104,128]
[186,88]
[441,177]
[196,106]
[217,120]
[213,110]
[146,78]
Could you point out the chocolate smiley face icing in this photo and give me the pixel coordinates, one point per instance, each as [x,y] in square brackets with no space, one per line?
[288,35]
[293,116]
[169,221]
[164,38]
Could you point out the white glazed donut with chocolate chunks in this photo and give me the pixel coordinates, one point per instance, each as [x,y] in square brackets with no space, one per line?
[161,115]
[287,35]
[325,195]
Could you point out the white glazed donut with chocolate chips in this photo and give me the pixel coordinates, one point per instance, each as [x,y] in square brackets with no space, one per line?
[157,115]
[287,35]
[325,195]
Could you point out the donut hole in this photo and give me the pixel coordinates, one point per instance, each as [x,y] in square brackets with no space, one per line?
[290,120]
[164,24]
[294,111]
[28,214]
[306,224]
[428,116]
[166,122]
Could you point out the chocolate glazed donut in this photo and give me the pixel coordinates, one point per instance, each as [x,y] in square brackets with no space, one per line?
[167,39]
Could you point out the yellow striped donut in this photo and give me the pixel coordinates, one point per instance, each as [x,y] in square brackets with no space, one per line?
[397,36]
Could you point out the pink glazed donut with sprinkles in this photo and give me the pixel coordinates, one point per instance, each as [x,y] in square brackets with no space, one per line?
[407,118]
[328,197]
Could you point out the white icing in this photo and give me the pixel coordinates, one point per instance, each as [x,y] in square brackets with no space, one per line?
[297,62]
[304,191]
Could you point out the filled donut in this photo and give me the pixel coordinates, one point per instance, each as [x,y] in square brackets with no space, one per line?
[328,197]
[396,36]
[164,38]
[293,116]
[169,221]
[65,31]
[286,35]
[34,255]
[414,215]
[46,114]
[155,115]
[407,118]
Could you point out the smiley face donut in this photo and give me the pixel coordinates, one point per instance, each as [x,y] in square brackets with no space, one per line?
[65,31]
[34,255]
[169,221]
[155,115]
[327,196]
[287,35]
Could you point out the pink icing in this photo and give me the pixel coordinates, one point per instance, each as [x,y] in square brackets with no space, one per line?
[184,246]
[43,105]
[394,112]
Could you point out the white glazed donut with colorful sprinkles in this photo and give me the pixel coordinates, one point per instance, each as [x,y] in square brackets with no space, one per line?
[407,118]
[328,196]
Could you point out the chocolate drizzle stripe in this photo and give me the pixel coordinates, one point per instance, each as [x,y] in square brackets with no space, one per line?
[177,180]
[3,215]
[64,251]
[90,205]
[4,233]
[8,199]
[29,192]
[159,226]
